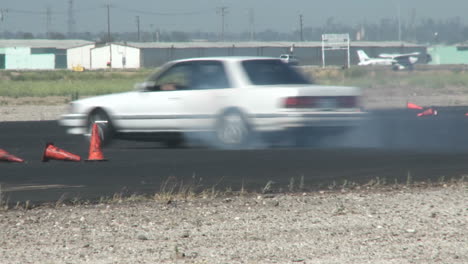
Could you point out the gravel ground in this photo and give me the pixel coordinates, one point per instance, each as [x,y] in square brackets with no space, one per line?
[31,108]
[397,225]
[415,225]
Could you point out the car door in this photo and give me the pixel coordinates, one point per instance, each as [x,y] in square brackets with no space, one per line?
[157,107]
[205,95]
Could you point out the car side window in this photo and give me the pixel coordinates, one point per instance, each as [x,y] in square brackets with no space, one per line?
[177,77]
[209,75]
[272,72]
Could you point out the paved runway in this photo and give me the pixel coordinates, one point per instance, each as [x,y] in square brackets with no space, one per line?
[391,145]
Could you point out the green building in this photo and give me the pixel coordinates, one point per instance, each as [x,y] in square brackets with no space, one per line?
[457,54]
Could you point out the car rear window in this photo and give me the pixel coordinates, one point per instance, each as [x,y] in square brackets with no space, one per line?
[271,72]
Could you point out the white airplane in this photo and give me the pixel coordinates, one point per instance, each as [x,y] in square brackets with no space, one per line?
[397,61]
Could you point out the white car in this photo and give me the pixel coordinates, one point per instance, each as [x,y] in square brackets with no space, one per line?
[289,59]
[237,98]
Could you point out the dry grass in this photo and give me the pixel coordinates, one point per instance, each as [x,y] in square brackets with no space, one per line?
[173,190]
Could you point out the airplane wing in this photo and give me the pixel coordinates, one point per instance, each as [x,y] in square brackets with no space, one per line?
[402,61]
[398,56]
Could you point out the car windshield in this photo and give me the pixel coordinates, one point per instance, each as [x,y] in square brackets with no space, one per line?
[271,72]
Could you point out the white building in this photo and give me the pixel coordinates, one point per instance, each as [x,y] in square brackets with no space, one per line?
[80,56]
[119,56]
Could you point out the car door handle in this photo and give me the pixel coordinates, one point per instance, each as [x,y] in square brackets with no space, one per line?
[174,98]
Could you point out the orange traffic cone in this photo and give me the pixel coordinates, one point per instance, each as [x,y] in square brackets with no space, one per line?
[413,106]
[5,156]
[428,112]
[95,152]
[52,152]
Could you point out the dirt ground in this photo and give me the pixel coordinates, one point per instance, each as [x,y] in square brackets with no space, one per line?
[388,225]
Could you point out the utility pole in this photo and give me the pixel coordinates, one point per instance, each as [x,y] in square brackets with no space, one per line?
[138,27]
[48,20]
[399,20]
[108,24]
[223,11]
[71,19]
[152,33]
[109,41]
[252,24]
[301,27]
[3,13]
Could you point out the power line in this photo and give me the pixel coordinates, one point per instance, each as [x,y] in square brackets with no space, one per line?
[83,10]
[145,12]
[22,11]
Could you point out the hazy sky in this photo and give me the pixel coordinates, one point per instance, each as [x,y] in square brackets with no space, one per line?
[204,15]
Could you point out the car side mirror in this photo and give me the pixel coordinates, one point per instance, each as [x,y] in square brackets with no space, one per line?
[144,86]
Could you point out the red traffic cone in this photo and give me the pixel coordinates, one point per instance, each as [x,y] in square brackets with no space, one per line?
[95,152]
[428,112]
[52,152]
[5,156]
[413,106]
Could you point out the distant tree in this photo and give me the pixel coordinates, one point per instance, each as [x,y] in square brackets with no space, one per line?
[425,30]
[56,35]
[104,38]
[27,35]
[179,36]
[464,34]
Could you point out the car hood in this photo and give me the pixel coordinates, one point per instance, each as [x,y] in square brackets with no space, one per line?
[105,99]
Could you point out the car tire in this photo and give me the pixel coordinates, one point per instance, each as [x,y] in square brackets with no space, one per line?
[104,123]
[232,130]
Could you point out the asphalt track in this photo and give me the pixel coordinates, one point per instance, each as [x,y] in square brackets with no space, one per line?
[391,145]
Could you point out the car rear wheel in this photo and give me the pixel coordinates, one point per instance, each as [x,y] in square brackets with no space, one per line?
[104,124]
[232,130]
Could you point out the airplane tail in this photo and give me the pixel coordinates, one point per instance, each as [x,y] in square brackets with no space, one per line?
[362,56]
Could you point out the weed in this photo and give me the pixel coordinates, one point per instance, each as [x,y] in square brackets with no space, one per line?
[172,189]
[3,203]
[409,179]
[291,184]
[301,183]
[268,187]
[442,179]
[332,186]
[60,201]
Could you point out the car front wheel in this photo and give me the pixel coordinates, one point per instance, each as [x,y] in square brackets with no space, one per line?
[104,124]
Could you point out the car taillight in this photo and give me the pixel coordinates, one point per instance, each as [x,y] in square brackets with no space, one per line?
[321,102]
[299,102]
